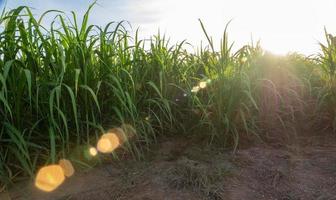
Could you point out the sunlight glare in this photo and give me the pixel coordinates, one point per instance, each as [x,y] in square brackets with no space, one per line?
[281,26]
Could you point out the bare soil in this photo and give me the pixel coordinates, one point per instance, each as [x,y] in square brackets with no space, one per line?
[179,168]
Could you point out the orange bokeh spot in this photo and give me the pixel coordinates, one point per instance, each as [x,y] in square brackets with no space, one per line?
[108,143]
[67,167]
[49,178]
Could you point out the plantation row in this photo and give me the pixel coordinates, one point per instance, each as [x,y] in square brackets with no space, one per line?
[62,86]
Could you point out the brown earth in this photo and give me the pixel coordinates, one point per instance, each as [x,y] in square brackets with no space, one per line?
[178,168]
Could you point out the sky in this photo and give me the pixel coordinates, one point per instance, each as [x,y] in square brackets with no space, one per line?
[282,26]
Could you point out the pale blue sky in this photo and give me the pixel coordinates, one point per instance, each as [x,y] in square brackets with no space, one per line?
[282,26]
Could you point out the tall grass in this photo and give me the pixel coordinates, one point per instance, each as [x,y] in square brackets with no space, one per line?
[327,88]
[227,106]
[62,86]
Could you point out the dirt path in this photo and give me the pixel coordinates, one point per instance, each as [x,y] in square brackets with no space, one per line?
[282,174]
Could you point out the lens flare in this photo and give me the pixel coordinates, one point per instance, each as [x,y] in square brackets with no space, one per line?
[202,84]
[108,143]
[67,167]
[93,151]
[129,130]
[119,132]
[49,178]
[195,89]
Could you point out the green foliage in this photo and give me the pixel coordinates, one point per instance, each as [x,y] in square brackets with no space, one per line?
[327,90]
[62,86]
